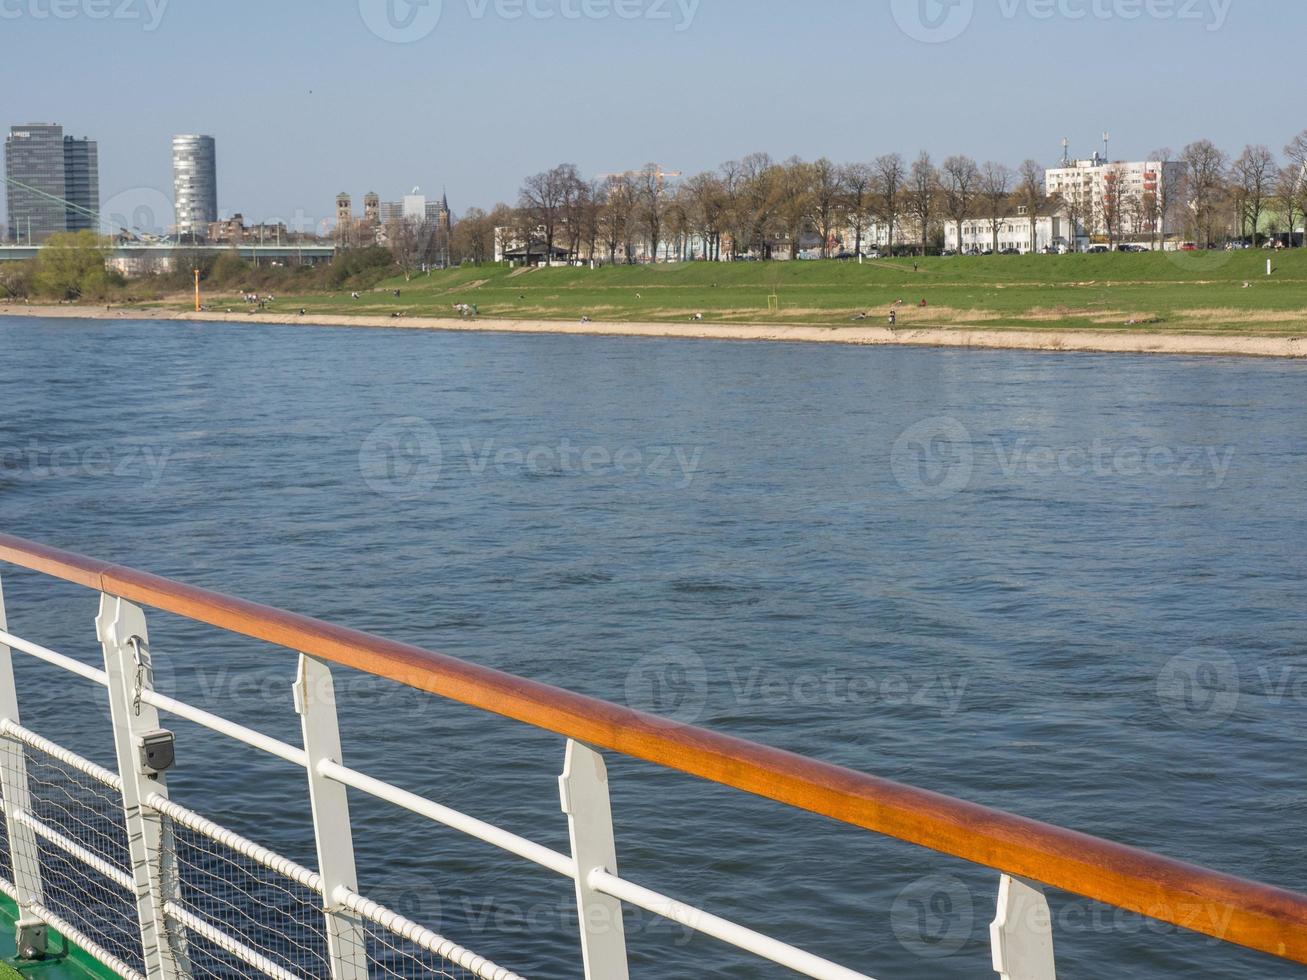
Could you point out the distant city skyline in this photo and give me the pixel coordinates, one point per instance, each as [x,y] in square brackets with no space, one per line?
[893,75]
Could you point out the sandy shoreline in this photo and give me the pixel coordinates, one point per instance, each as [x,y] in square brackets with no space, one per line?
[1043,340]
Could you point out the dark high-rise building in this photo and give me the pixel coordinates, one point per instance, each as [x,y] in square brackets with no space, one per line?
[82,184]
[54,182]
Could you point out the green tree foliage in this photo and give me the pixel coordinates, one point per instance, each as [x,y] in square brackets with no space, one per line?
[72,266]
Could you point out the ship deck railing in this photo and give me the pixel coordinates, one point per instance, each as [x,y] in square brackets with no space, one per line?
[106,860]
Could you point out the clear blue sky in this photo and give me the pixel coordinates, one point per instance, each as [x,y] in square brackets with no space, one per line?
[305,99]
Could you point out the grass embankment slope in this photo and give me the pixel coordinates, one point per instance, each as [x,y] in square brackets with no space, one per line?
[1181,292]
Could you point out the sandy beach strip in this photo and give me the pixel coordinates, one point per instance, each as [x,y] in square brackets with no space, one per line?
[966,337]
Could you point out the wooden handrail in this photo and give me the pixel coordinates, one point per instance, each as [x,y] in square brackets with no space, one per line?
[1241,912]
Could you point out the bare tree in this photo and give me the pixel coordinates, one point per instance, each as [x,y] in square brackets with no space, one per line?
[1296,175]
[708,207]
[1160,203]
[652,194]
[996,194]
[961,185]
[616,213]
[544,201]
[1030,192]
[758,200]
[473,238]
[1205,168]
[890,174]
[828,200]
[794,200]
[409,239]
[1254,176]
[857,181]
[1286,199]
[923,193]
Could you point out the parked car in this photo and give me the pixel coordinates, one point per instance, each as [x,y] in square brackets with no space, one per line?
[1010,251]
[1097,250]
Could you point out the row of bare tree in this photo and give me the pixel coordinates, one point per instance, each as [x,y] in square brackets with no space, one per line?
[765,208]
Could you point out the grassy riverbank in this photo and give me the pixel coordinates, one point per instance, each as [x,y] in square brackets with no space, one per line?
[1186,292]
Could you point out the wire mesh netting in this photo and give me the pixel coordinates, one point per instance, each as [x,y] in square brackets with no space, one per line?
[392,956]
[235,910]
[77,808]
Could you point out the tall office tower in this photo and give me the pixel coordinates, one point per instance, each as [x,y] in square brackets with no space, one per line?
[53,182]
[195,184]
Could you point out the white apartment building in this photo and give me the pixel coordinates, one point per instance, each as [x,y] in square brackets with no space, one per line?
[1126,200]
[1053,228]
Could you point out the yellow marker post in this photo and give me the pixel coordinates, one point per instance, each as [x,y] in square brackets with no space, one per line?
[197,290]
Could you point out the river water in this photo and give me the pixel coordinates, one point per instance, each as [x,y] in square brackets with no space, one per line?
[1070,586]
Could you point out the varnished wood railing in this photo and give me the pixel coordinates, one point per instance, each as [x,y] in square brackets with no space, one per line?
[1245,913]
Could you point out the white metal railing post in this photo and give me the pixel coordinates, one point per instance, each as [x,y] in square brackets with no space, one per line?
[121,629]
[315,700]
[583,787]
[24,855]
[1021,935]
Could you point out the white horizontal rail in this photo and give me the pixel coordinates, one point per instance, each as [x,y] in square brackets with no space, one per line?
[56,659]
[74,935]
[728,932]
[85,943]
[222,726]
[562,864]
[232,945]
[11,729]
[537,853]
[420,935]
[69,846]
[389,920]
[242,845]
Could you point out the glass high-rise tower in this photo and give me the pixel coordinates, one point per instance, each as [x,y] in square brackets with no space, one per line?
[195,184]
[54,182]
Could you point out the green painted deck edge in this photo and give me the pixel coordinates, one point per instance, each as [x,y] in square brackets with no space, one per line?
[76,964]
